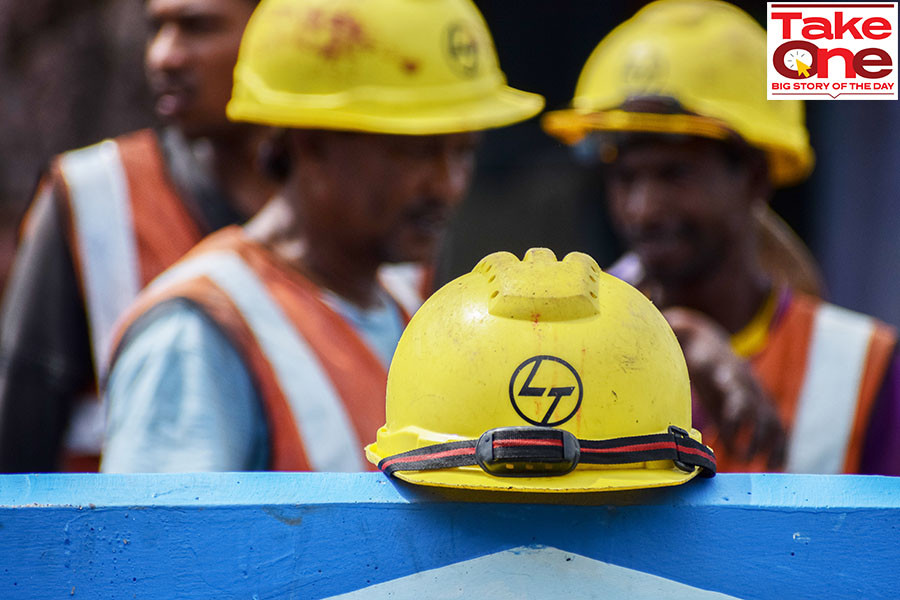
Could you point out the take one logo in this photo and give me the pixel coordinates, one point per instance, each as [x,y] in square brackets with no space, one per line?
[832,51]
[546,390]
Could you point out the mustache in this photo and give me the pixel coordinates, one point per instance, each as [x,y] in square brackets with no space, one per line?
[429,216]
[167,82]
[429,210]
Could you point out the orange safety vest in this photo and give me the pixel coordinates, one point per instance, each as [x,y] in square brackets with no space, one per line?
[127,223]
[321,386]
[823,367]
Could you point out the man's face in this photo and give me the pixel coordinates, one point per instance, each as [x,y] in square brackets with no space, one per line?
[190,56]
[390,197]
[680,205]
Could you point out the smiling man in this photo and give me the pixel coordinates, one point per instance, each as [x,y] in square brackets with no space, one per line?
[267,346]
[108,218]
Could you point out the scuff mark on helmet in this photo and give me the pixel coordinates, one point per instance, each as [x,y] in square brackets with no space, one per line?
[410,66]
[333,35]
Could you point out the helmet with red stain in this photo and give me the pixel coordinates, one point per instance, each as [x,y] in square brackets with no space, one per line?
[417,67]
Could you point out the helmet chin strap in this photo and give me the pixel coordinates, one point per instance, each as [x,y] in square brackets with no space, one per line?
[549,452]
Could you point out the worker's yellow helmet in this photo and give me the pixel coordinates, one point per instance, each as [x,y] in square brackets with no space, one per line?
[707,56]
[543,376]
[415,67]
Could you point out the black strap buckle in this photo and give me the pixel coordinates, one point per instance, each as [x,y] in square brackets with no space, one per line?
[527,452]
[678,432]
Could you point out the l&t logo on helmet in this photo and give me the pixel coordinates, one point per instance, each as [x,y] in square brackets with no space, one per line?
[536,393]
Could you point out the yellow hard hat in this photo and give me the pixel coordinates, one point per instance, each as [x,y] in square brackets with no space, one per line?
[541,376]
[709,57]
[417,67]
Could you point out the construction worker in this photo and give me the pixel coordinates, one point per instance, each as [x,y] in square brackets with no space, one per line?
[673,104]
[108,218]
[539,376]
[267,346]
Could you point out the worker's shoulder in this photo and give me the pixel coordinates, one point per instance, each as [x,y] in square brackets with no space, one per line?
[140,137]
[98,159]
[839,317]
[95,181]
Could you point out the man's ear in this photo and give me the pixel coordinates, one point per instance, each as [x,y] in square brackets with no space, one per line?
[758,181]
[310,161]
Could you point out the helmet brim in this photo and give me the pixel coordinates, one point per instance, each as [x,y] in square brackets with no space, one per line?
[570,126]
[505,106]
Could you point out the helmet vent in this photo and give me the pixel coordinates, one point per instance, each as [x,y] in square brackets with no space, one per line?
[540,287]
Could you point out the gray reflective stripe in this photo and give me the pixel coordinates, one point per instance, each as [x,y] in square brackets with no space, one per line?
[330,442]
[404,282]
[107,251]
[86,427]
[827,404]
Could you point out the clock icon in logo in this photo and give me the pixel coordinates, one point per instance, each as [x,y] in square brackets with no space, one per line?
[799,60]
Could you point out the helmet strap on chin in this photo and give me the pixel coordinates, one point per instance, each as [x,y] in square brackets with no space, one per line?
[549,452]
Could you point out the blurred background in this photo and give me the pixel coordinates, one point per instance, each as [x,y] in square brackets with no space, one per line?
[70,75]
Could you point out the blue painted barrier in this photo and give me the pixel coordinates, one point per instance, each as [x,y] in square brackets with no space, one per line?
[312,535]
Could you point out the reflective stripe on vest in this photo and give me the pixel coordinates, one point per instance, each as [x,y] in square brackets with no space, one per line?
[107,251]
[828,398]
[324,424]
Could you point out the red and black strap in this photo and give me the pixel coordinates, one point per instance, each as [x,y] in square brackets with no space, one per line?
[545,451]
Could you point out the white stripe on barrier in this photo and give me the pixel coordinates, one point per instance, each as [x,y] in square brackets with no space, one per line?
[532,572]
[330,442]
[828,397]
[106,246]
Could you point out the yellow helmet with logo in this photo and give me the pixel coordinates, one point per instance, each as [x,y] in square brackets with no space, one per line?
[707,56]
[414,67]
[539,375]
